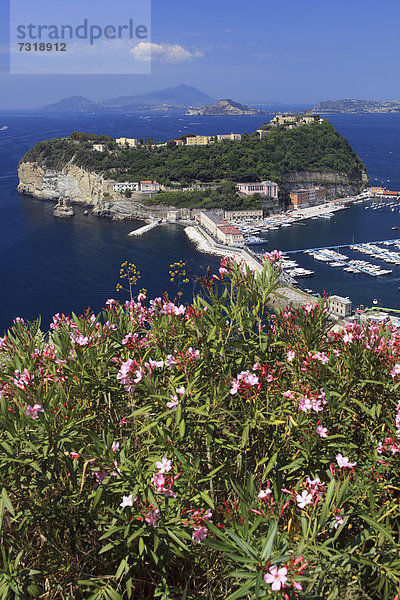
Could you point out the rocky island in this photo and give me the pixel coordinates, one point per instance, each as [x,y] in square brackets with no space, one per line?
[97,172]
[224,107]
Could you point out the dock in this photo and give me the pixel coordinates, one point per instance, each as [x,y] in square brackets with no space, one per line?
[144,229]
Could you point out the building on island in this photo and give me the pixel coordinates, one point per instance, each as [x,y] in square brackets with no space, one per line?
[149,186]
[293,120]
[127,142]
[100,147]
[220,229]
[173,216]
[376,189]
[263,133]
[127,185]
[308,196]
[232,137]
[179,142]
[265,188]
[200,140]
[230,235]
[341,307]
[243,215]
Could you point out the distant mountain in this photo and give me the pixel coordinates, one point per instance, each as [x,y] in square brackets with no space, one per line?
[171,98]
[351,105]
[182,95]
[73,103]
[225,107]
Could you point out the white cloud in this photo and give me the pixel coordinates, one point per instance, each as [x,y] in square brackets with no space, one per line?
[165,53]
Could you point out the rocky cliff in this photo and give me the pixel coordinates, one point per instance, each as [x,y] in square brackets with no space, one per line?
[74,185]
[336,184]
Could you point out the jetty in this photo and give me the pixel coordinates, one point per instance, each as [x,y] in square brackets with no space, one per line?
[144,229]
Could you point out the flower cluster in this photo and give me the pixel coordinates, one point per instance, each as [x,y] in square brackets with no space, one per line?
[243,382]
[197,519]
[283,577]
[165,478]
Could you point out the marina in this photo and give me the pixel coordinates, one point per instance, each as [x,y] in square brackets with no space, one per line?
[334,259]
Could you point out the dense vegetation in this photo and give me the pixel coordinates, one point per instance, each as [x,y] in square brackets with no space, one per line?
[315,147]
[224,195]
[205,451]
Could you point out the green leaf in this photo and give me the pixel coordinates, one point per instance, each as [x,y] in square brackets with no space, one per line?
[267,548]
[242,544]
[243,591]
[207,499]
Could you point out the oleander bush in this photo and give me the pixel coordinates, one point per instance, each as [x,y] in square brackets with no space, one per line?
[205,451]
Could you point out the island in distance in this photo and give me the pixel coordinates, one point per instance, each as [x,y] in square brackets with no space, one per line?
[173,98]
[224,107]
[351,105]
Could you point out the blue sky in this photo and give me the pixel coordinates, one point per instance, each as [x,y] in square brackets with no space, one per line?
[293,51]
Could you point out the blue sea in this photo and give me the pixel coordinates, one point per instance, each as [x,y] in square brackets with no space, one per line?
[50,265]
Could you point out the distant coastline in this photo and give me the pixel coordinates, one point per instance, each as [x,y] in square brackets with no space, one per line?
[352,106]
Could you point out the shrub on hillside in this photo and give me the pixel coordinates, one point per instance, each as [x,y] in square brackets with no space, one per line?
[204,451]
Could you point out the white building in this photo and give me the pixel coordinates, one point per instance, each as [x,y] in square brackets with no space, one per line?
[263,133]
[99,147]
[265,188]
[341,307]
[127,142]
[149,186]
[127,185]
[172,216]
[223,231]
[243,215]
[232,137]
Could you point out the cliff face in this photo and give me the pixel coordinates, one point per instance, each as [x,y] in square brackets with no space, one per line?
[72,182]
[335,183]
[78,186]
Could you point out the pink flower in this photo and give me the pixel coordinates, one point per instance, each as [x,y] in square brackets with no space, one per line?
[180,390]
[194,354]
[164,465]
[290,355]
[200,533]
[139,375]
[170,361]
[348,338]
[322,431]
[152,517]
[276,577]
[304,499]
[343,462]
[100,475]
[308,308]
[168,493]
[158,481]
[321,356]
[127,501]
[152,364]
[34,410]
[305,404]
[74,455]
[396,370]
[339,521]
[263,495]
[115,446]
[174,403]
[288,394]
[235,387]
